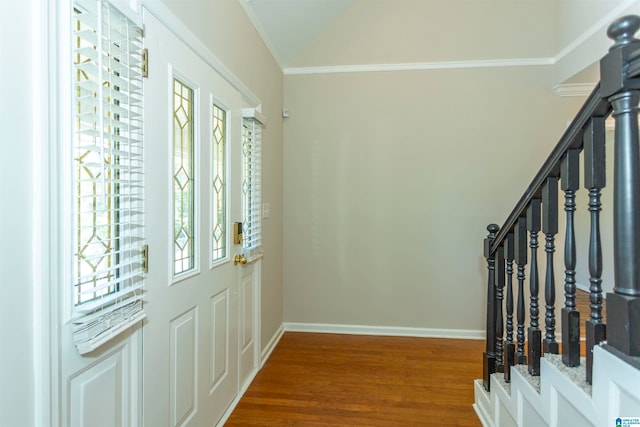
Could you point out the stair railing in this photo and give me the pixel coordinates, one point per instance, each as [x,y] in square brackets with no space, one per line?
[617,95]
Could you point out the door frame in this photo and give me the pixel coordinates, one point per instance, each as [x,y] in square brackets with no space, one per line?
[48,22]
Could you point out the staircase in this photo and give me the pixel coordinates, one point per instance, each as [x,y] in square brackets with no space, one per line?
[530,378]
[560,396]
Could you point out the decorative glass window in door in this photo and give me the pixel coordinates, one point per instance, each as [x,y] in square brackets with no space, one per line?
[219,184]
[183,179]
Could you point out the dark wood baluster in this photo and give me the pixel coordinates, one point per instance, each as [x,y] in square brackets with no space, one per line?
[534,338]
[520,252]
[499,256]
[509,349]
[550,229]
[489,356]
[570,317]
[594,180]
[623,304]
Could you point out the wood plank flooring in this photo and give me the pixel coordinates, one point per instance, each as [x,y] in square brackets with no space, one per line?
[582,305]
[351,380]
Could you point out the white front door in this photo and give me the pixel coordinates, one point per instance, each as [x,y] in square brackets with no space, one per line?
[190,337]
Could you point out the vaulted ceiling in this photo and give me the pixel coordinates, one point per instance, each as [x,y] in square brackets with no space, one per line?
[289,26]
[318,33]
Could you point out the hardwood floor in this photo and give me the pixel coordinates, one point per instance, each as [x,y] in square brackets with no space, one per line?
[351,380]
[582,305]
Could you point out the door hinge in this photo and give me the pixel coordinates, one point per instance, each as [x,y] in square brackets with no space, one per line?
[145,62]
[145,258]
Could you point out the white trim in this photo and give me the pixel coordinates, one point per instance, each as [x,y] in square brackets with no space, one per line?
[599,27]
[175,74]
[271,345]
[44,114]
[184,34]
[55,300]
[443,65]
[254,113]
[214,102]
[384,330]
[574,89]
[261,32]
[482,404]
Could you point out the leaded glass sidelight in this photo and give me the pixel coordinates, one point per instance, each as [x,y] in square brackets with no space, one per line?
[219,185]
[96,230]
[107,188]
[183,182]
[251,186]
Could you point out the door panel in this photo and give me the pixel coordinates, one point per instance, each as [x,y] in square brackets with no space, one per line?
[249,298]
[99,394]
[183,369]
[219,339]
[190,338]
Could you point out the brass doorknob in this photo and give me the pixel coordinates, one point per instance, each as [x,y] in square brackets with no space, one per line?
[239,259]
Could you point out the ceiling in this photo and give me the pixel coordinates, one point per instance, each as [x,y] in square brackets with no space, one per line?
[278,20]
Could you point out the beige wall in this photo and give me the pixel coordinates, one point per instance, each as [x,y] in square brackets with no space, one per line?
[390,181]
[387,174]
[224,27]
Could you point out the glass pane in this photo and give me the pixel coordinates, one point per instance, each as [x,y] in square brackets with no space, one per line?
[95,191]
[247,182]
[183,184]
[219,185]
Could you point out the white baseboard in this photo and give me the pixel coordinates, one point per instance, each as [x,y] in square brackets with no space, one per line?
[582,287]
[271,345]
[384,330]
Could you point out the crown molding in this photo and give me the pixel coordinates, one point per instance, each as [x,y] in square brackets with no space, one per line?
[414,66]
[574,89]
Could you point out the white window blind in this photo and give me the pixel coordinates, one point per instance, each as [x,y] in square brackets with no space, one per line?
[252,123]
[107,175]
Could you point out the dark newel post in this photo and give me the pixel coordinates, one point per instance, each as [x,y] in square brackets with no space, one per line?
[570,317]
[499,255]
[550,229]
[520,253]
[534,338]
[509,350]
[489,356]
[594,177]
[623,304]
